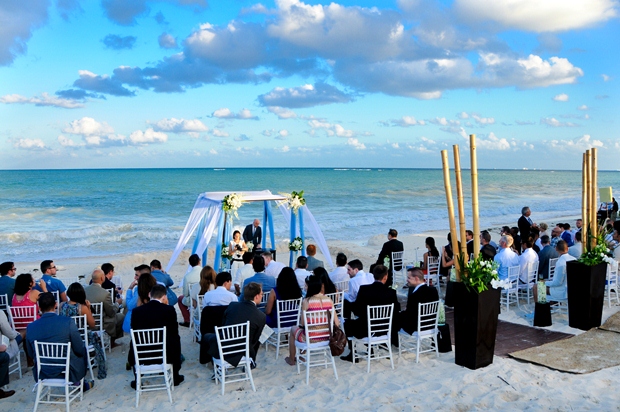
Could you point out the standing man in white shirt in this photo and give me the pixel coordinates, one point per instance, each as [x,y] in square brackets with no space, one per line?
[272,268]
[340,274]
[191,277]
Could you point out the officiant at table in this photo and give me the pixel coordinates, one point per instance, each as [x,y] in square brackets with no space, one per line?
[253,233]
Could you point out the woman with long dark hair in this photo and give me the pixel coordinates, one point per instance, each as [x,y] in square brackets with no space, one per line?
[431,250]
[286,288]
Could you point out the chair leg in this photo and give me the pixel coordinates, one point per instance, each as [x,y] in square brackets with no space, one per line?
[308,366]
[168,383]
[248,371]
[138,387]
[389,345]
[334,366]
[223,380]
[369,351]
[400,346]
[417,350]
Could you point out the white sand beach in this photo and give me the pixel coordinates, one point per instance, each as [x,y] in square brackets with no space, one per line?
[433,384]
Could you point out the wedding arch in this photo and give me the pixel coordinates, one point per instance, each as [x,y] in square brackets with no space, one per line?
[216,210]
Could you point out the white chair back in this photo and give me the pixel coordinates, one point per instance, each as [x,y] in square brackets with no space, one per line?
[80,322]
[263,302]
[397,266]
[342,286]
[233,340]
[97,311]
[4,302]
[432,265]
[552,263]
[149,349]
[57,299]
[67,281]
[612,282]
[380,320]
[338,301]
[22,316]
[428,317]
[112,293]
[319,325]
[288,313]
[118,281]
[532,273]
[196,318]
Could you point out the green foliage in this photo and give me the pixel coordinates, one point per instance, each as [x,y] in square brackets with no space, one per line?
[478,274]
[598,254]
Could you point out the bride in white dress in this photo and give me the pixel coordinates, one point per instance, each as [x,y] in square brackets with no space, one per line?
[237,247]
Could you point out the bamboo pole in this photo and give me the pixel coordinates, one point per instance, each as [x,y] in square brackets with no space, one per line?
[474,193]
[594,180]
[584,203]
[588,223]
[448,187]
[460,202]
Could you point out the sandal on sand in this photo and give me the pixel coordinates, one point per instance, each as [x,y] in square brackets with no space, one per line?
[290,361]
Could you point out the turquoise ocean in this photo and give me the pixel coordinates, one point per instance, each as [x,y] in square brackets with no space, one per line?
[76,213]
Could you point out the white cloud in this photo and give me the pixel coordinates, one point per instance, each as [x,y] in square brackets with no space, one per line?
[304,96]
[583,107]
[226,113]
[561,97]
[193,126]
[281,112]
[580,144]
[149,136]
[219,133]
[407,121]
[553,122]
[284,149]
[213,152]
[463,115]
[30,144]
[538,16]
[283,133]
[166,41]
[483,120]
[87,126]
[442,121]
[66,142]
[19,19]
[330,129]
[44,100]
[605,77]
[356,144]
[492,142]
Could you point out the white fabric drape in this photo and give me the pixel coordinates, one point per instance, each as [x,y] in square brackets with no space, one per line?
[201,207]
[312,226]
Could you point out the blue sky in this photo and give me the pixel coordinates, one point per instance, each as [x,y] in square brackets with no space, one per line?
[196,83]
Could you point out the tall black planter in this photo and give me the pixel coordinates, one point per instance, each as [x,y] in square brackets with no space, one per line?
[475,326]
[586,294]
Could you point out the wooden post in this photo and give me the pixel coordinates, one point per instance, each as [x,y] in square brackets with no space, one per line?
[584,203]
[460,202]
[474,193]
[448,188]
[594,190]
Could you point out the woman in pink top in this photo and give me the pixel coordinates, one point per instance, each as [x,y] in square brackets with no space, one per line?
[315,300]
[25,295]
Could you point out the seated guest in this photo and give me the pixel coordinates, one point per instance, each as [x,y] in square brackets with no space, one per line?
[374,294]
[546,253]
[52,328]
[77,305]
[108,271]
[138,293]
[576,250]
[556,236]
[469,236]
[164,279]
[158,313]
[315,300]
[419,292]
[267,281]
[328,285]
[220,296]
[566,234]
[238,312]
[487,250]
[358,278]
[286,288]
[272,268]
[190,278]
[112,320]
[313,262]
[340,273]
[24,293]
[447,258]
[7,352]
[527,261]
[556,288]
[244,272]
[300,271]
[506,257]
[431,251]
[48,269]
[7,281]
[534,237]
[207,284]
[516,240]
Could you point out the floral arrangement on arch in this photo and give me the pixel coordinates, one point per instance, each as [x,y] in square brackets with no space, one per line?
[598,254]
[225,254]
[478,274]
[294,200]
[231,203]
[296,245]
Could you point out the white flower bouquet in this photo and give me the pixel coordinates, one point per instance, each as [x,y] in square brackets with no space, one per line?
[296,245]
[294,200]
[231,203]
[225,254]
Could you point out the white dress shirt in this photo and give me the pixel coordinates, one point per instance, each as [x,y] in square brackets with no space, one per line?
[219,297]
[301,275]
[191,277]
[360,279]
[576,250]
[527,259]
[244,272]
[274,268]
[339,274]
[557,287]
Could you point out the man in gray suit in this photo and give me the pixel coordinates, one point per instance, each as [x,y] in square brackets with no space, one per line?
[57,329]
[313,262]
[112,320]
